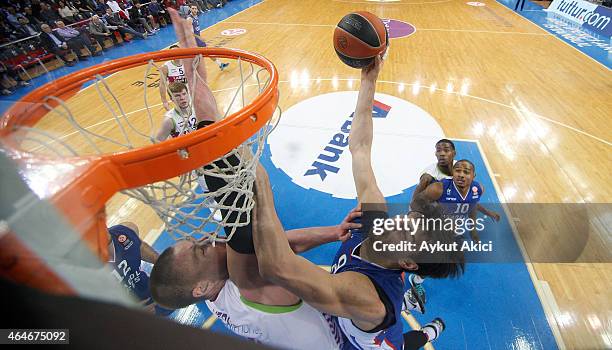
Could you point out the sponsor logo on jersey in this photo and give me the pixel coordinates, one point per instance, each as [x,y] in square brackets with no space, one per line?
[311,143]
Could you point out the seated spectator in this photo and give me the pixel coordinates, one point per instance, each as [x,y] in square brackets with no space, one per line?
[11,16]
[100,8]
[159,13]
[32,20]
[54,43]
[99,31]
[85,9]
[115,7]
[139,15]
[75,39]
[7,33]
[6,75]
[47,14]
[171,4]
[68,12]
[184,8]
[25,29]
[115,22]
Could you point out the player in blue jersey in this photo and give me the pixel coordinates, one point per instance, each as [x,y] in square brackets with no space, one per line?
[365,289]
[126,256]
[442,169]
[459,196]
[195,23]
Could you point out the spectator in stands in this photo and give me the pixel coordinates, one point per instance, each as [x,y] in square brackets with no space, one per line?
[29,15]
[75,39]
[114,6]
[159,14]
[115,22]
[47,14]
[36,8]
[7,33]
[54,43]
[100,7]
[171,4]
[25,29]
[68,12]
[139,15]
[99,31]
[11,16]
[85,9]
[6,75]
[184,8]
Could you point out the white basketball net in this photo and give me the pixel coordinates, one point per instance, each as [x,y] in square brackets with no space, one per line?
[187,210]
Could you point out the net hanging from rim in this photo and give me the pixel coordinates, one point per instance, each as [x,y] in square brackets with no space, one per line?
[121,153]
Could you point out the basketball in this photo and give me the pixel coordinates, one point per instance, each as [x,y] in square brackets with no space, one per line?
[359,37]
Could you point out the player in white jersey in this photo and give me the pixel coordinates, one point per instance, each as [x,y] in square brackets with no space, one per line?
[181,119]
[172,71]
[226,277]
[228,274]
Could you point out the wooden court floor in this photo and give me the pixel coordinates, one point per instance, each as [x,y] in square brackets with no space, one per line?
[539,108]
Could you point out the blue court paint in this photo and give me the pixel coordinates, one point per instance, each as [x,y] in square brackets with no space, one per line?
[593,45]
[164,38]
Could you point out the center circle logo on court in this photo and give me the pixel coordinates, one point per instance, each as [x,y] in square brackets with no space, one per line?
[397,28]
[310,143]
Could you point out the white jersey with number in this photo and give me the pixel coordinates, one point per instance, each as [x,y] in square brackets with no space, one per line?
[175,73]
[302,328]
[182,124]
[435,172]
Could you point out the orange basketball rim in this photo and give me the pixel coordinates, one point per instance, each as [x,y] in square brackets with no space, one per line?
[82,199]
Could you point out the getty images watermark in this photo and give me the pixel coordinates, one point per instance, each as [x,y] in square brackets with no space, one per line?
[411,225]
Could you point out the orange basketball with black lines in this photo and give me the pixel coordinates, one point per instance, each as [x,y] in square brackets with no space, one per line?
[359,37]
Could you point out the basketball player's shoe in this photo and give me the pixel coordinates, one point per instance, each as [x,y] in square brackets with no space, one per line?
[411,303]
[434,328]
[222,66]
[418,291]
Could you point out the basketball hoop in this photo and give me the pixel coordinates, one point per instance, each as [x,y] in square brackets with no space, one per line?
[80,180]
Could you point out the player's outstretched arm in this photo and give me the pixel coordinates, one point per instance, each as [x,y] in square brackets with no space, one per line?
[164,130]
[163,88]
[332,294]
[361,136]
[204,101]
[304,239]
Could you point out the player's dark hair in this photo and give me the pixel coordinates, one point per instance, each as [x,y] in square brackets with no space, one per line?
[440,264]
[169,285]
[446,141]
[466,161]
[174,46]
